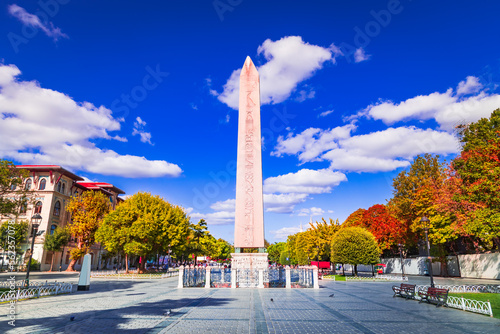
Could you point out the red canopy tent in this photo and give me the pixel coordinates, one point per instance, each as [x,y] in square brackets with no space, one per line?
[322,264]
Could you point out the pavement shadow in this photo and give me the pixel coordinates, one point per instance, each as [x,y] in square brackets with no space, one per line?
[129,319]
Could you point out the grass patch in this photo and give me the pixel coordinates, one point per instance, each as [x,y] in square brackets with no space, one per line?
[337,277]
[494,299]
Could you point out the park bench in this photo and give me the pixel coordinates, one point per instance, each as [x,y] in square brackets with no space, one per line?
[405,290]
[434,295]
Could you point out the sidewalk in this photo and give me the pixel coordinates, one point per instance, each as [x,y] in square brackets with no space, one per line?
[139,307]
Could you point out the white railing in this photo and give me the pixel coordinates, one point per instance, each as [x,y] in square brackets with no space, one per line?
[377,278]
[36,292]
[464,288]
[21,283]
[121,275]
[461,303]
[470,305]
[392,278]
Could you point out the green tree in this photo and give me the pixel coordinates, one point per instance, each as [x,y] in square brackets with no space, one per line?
[224,250]
[290,247]
[415,194]
[478,168]
[151,226]
[18,231]
[13,195]
[56,241]
[354,245]
[19,234]
[198,238]
[319,239]
[274,251]
[87,211]
[115,230]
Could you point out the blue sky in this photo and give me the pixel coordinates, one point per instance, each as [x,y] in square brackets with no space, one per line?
[142,95]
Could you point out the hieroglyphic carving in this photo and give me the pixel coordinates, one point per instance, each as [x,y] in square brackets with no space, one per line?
[249,165]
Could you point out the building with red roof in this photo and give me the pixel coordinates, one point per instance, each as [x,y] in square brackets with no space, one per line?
[53,187]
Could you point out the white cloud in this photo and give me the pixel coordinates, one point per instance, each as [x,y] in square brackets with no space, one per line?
[284,232]
[283,203]
[377,151]
[43,126]
[290,61]
[325,113]
[28,19]
[139,122]
[223,215]
[314,211]
[470,86]
[420,107]
[139,126]
[449,109]
[311,142]
[306,181]
[227,205]
[360,55]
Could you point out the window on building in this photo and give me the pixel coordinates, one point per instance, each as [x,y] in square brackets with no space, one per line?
[59,186]
[42,184]
[63,188]
[52,229]
[111,199]
[57,208]
[27,185]
[22,209]
[48,258]
[75,193]
[38,207]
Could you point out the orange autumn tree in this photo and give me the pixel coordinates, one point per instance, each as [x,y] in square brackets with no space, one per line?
[388,230]
[87,211]
[354,218]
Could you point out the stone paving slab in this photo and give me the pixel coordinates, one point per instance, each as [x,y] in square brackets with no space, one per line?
[140,307]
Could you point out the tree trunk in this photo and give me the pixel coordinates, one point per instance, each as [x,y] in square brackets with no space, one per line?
[356,270]
[52,262]
[343,269]
[126,263]
[71,266]
[142,266]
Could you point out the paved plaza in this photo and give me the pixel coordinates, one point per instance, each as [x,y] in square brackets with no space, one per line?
[141,306]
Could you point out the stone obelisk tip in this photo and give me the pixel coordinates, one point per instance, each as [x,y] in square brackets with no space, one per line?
[249,68]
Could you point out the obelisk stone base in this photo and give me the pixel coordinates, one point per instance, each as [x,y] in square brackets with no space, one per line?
[249,261]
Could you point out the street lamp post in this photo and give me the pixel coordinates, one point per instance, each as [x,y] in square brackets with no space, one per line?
[35,222]
[401,259]
[425,221]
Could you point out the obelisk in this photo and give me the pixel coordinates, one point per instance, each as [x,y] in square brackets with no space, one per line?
[249,217]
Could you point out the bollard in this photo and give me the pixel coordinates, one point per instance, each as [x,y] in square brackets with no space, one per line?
[233,278]
[261,279]
[288,278]
[315,278]
[181,278]
[207,277]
